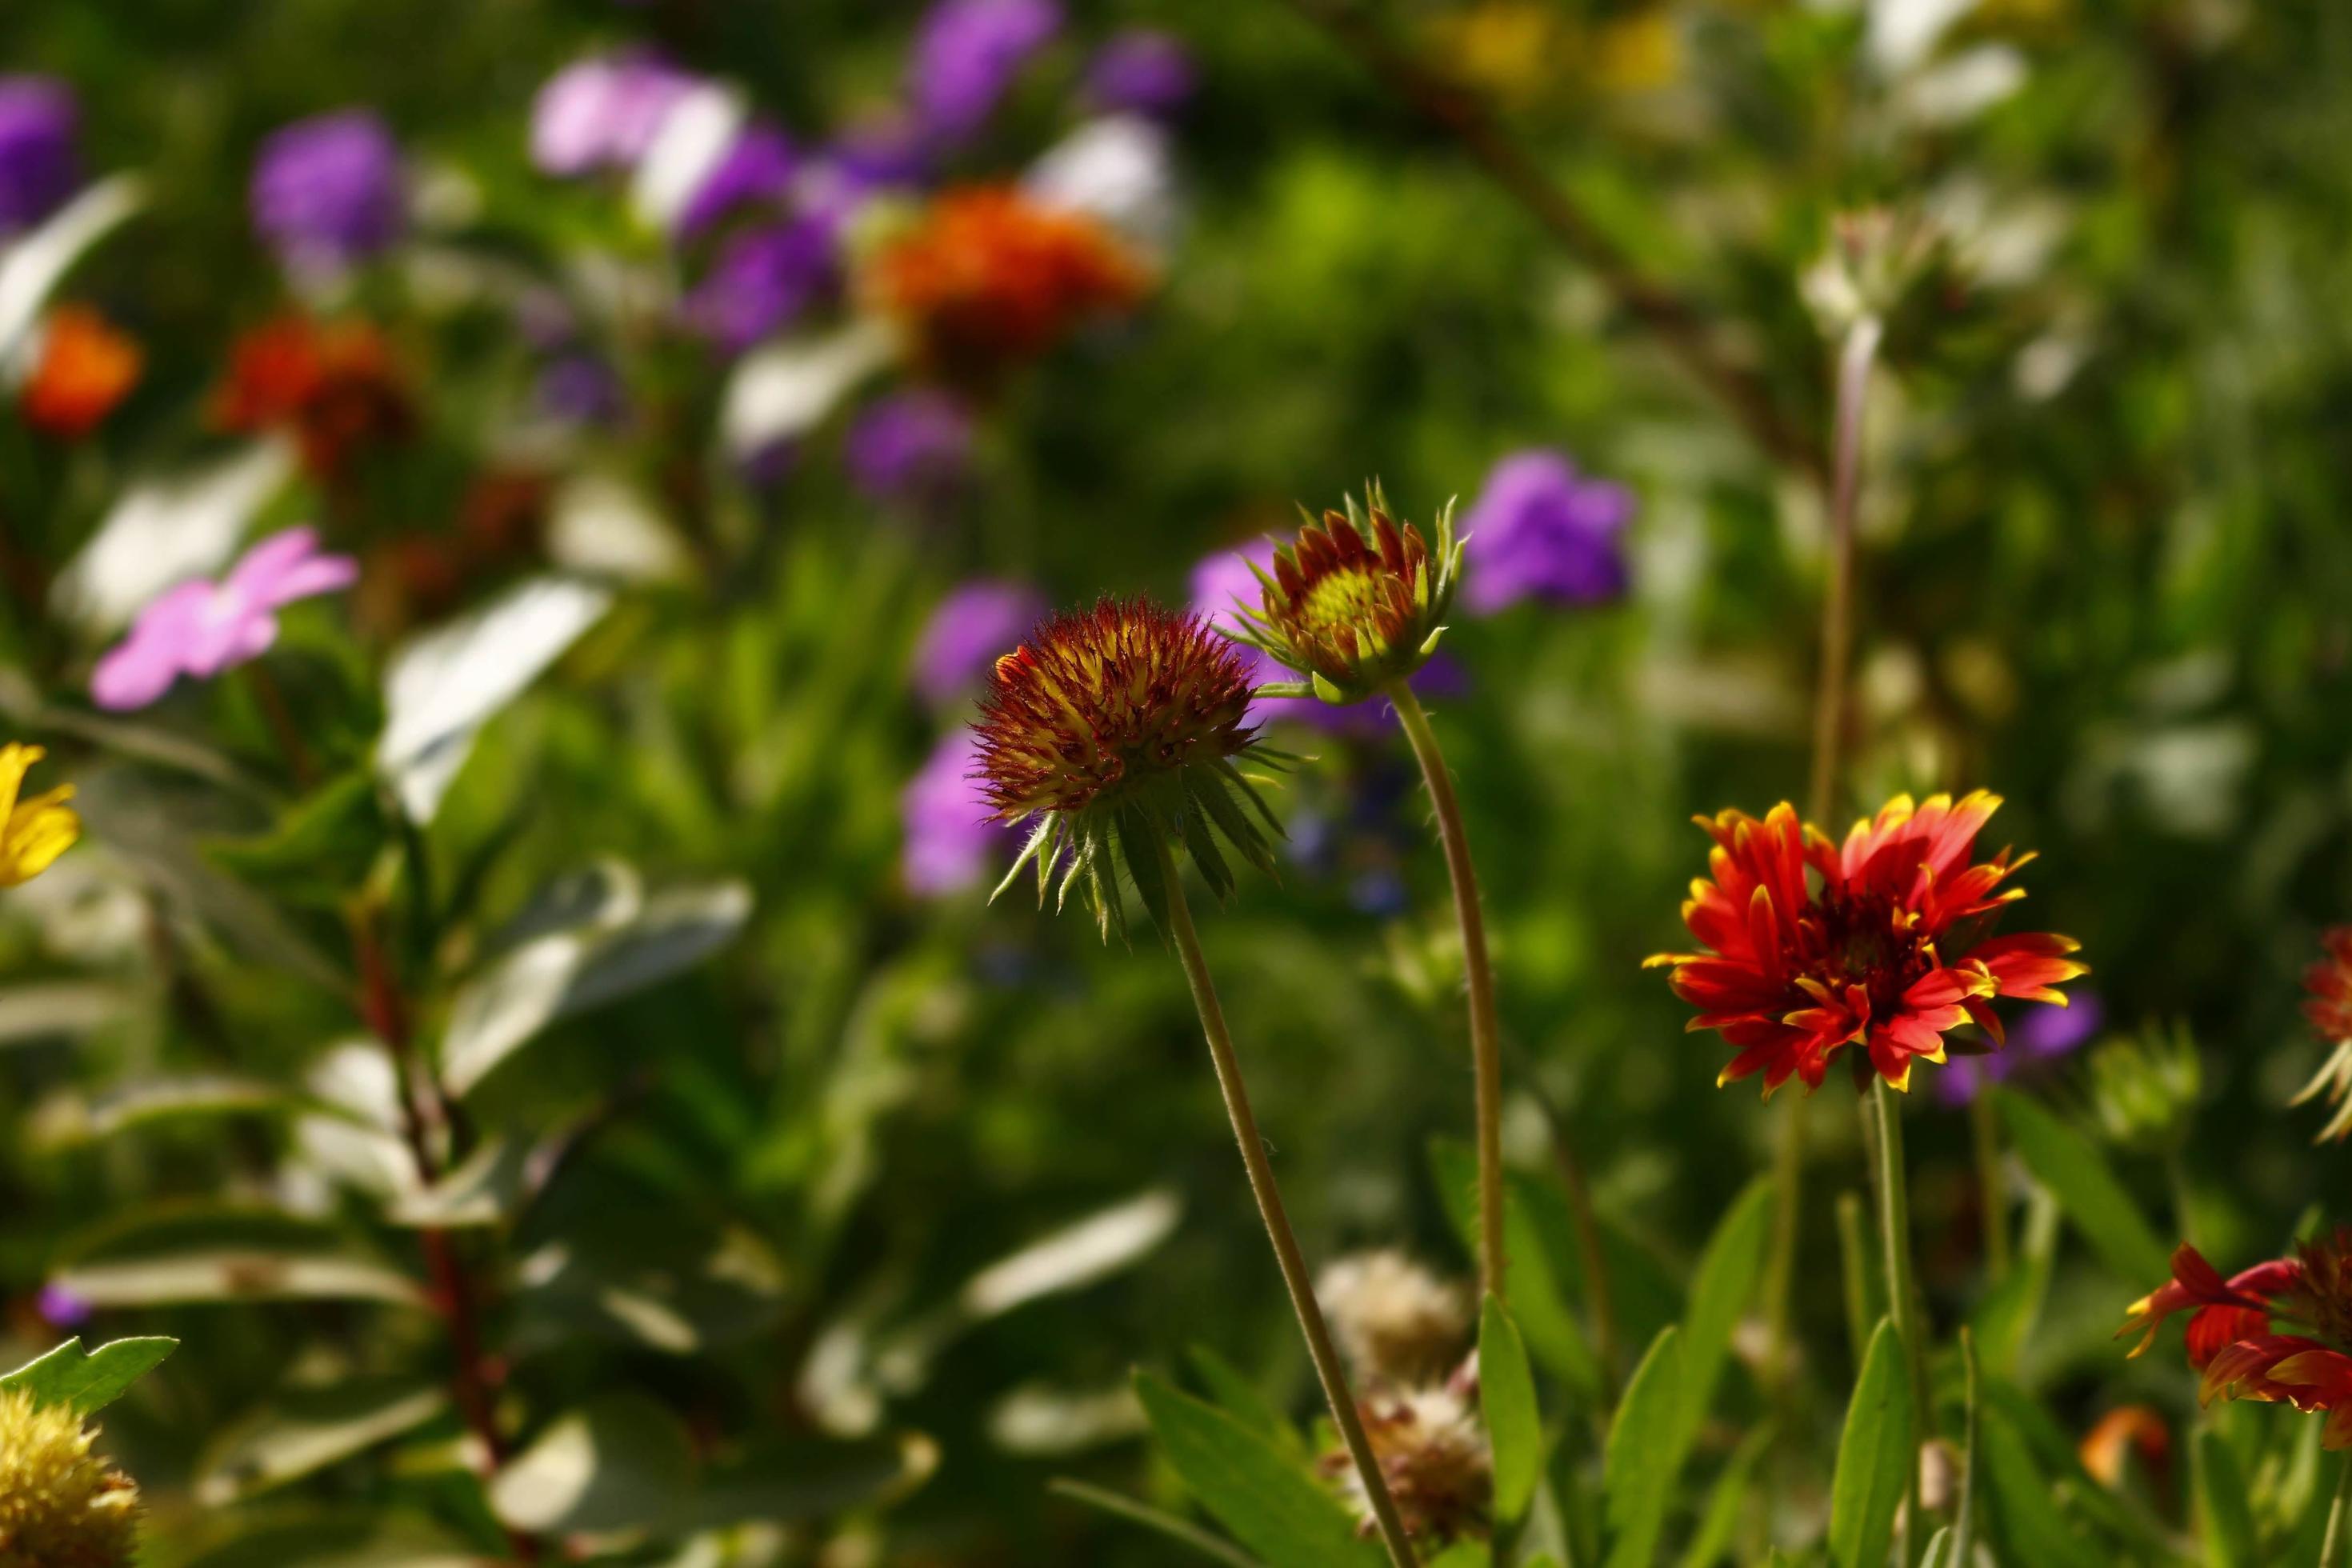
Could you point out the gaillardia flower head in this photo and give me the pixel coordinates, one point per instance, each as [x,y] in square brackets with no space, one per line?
[1810,946]
[2231,1340]
[2329,1009]
[1119,729]
[61,1505]
[1357,601]
[35,832]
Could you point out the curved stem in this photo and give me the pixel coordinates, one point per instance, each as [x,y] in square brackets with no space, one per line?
[2336,1549]
[1325,1356]
[1486,1031]
[1903,1292]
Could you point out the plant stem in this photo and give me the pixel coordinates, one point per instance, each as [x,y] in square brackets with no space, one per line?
[2336,1549]
[1902,1293]
[386,1012]
[1992,1192]
[1325,1356]
[1853,1268]
[1486,1031]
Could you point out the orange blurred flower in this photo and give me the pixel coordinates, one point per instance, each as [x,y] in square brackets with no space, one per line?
[335,387]
[1810,946]
[2131,1431]
[988,278]
[86,368]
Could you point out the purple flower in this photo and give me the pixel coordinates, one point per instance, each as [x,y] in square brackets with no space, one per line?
[758,168]
[62,1308]
[201,628]
[580,389]
[909,449]
[2041,1034]
[1540,530]
[968,53]
[975,623]
[762,279]
[602,113]
[327,191]
[951,840]
[38,169]
[1140,71]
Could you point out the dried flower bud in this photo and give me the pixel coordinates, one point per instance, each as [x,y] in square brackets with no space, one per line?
[1395,1321]
[1357,601]
[60,1506]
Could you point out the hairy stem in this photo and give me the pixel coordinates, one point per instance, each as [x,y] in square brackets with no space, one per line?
[1902,1293]
[1486,1031]
[386,1012]
[1325,1356]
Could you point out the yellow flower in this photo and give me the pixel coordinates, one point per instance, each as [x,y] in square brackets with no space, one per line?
[32,832]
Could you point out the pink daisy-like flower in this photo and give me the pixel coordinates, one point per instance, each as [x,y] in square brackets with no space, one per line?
[201,628]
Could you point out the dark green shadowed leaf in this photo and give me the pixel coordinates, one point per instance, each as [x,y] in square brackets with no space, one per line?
[1182,1532]
[1203,847]
[1712,1541]
[92,1381]
[1267,1499]
[1721,1291]
[2074,1171]
[1874,1457]
[1640,1474]
[304,1430]
[2228,1522]
[2028,1530]
[1240,1398]
[1539,1308]
[1507,1397]
[1139,845]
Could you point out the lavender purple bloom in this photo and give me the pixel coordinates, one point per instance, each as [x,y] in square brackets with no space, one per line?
[762,279]
[2043,1033]
[602,113]
[758,169]
[1540,530]
[951,841]
[201,628]
[327,190]
[39,166]
[909,449]
[967,55]
[1141,71]
[580,389]
[62,1308]
[977,621]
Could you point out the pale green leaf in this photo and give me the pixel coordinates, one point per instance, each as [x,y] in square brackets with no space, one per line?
[1506,1396]
[1641,1475]
[1269,1501]
[92,1381]
[1875,1454]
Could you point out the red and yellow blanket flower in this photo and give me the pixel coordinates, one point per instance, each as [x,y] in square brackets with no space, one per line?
[2329,1009]
[1809,946]
[2231,1338]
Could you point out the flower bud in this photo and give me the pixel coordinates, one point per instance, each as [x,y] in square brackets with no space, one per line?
[61,1505]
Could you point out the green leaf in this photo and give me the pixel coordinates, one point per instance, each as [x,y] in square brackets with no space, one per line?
[321,848]
[307,1430]
[2228,1522]
[1720,1292]
[2077,1174]
[793,1479]
[168,1278]
[1240,1398]
[1540,1303]
[2032,1534]
[91,1382]
[1939,1551]
[1182,1532]
[1268,1501]
[1640,1474]
[1507,1397]
[1874,1457]
[621,1463]
[1713,1537]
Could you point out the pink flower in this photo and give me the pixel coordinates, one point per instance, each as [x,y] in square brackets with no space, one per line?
[201,628]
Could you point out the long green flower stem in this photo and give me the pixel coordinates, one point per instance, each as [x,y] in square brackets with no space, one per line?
[1992,1192]
[1902,1293]
[1325,1356]
[2337,1550]
[1486,1031]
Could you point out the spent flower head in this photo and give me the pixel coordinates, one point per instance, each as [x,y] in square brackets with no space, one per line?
[1809,946]
[1358,601]
[61,1505]
[1117,730]
[1434,1455]
[1395,1321]
[33,832]
[2233,1334]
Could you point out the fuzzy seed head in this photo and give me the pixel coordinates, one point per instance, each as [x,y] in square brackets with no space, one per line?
[1396,1323]
[1433,1452]
[61,1505]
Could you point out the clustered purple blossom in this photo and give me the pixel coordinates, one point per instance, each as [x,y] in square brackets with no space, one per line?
[910,448]
[327,191]
[1539,530]
[762,279]
[951,839]
[39,166]
[1140,71]
[756,170]
[602,115]
[2041,1034]
[977,621]
[967,55]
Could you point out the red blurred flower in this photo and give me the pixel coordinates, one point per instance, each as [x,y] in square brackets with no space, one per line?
[86,368]
[988,278]
[2329,1009]
[1810,946]
[2232,1338]
[335,387]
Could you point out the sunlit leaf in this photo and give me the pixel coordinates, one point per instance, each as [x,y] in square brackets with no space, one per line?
[1507,1398]
[620,1462]
[1266,1498]
[1875,1454]
[88,1380]
[306,1429]
[1640,1464]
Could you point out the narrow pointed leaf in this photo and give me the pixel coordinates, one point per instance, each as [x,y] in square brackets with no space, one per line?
[1271,1503]
[92,1381]
[1506,1396]
[1874,1457]
[1640,1480]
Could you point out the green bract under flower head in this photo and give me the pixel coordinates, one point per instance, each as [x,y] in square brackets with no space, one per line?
[61,1505]
[1118,729]
[1358,601]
